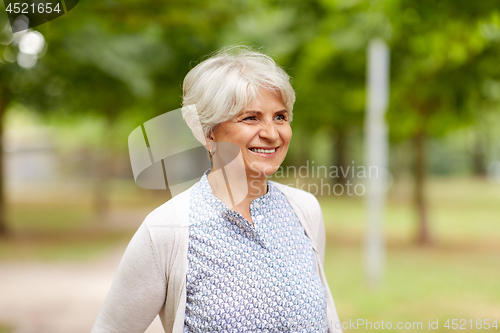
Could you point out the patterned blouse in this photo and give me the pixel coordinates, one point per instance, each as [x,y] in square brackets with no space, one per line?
[244,278]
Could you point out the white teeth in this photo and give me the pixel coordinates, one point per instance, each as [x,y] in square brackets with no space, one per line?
[263,151]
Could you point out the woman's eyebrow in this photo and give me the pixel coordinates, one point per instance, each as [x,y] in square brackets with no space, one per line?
[249,112]
[281,111]
[259,112]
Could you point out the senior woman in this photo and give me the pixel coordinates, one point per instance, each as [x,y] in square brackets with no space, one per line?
[206,264]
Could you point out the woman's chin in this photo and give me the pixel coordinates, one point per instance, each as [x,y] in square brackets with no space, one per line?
[262,171]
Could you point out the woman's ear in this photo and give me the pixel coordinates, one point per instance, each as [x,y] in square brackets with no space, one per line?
[211,145]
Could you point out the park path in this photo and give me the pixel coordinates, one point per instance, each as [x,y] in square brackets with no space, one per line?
[41,297]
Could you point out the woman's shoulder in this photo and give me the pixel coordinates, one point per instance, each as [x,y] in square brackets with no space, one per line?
[165,230]
[174,212]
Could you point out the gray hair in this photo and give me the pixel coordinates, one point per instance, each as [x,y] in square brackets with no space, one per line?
[223,85]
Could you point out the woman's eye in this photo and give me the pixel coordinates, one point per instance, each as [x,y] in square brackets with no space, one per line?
[280,117]
[250,118]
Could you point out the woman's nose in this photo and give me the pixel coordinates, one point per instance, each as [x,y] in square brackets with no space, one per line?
[269,131]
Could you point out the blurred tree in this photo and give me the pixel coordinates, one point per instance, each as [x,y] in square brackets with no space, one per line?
[104,73]
[438,49]
[16,85]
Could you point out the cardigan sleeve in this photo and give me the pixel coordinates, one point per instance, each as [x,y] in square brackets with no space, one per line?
[138,290]
[312,209]
[320,235]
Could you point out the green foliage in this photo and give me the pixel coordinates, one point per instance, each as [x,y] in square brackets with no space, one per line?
[439,51]
[117,59]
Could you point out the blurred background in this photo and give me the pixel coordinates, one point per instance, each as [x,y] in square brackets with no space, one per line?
[72,90]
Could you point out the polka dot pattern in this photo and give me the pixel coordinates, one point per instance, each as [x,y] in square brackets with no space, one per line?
[244,278]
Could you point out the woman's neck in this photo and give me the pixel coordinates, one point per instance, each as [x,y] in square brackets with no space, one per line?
[237,192]
[257,187]
[232,189]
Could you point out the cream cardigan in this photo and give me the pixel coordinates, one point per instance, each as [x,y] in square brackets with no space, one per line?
[151,277]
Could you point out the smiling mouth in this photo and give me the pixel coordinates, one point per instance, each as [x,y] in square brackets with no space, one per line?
[263,151]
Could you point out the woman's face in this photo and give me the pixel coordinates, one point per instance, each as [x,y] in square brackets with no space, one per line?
[262,132]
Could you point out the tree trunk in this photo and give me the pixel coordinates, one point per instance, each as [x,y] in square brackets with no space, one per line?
[3,105]
[423,235]
[102,173]
[479,165]
[340,155]
[301,151]
[478,158]
[101,186]
[305,148]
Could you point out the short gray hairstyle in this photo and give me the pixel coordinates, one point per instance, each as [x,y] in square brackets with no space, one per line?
[223,85]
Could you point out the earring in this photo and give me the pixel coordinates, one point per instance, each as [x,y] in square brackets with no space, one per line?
[213,148]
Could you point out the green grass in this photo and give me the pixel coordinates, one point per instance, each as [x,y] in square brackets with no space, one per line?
[6,328]
[56,221]
[80,244]
[458,277]
[52,232]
